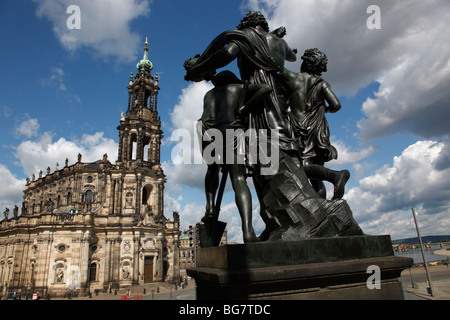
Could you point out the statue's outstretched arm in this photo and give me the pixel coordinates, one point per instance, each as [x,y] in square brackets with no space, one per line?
[291,54]
[218,59]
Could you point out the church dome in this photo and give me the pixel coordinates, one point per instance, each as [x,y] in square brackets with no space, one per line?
[144,63]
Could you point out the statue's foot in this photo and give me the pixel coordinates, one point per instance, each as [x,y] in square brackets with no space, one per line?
[250,237]
[339,185]
[209,215]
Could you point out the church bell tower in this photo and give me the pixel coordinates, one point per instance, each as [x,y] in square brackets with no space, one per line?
[140,129]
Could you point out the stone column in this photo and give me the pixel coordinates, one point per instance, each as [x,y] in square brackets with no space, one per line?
[116,261]
[83,240]
[130,94]
[158,150]
[153,147]
[136,261]
[139,146]
[111,195]
[126,144]
[160,261]
[120,195]
[160,196]
[121,145]
[107,262]
[117,195]
[140,96]
[176,258]
[101,188]
[138,193]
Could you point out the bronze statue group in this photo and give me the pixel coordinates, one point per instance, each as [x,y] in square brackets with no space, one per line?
[279,107]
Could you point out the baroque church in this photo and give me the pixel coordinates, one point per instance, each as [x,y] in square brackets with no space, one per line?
[98,225]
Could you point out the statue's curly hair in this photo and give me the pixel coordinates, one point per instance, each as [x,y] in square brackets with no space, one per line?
[314,61]
[253,19]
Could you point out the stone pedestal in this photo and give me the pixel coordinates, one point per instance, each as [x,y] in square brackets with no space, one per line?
[323,268]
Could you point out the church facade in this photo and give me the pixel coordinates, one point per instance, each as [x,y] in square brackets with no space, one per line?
[98,225]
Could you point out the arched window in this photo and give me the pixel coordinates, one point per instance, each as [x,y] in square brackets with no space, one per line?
[145,153]
[133,150]
[93,272]
[146,191]
[146,149]
[133,144]
[89,197]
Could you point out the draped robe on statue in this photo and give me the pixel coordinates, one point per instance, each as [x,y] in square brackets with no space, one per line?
[257,66]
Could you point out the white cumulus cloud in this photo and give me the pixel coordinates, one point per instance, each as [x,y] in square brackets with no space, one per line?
[36,155]
[28,128]
[104,25]
[413,180]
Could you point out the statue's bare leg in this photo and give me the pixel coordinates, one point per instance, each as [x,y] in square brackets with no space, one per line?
[243,200]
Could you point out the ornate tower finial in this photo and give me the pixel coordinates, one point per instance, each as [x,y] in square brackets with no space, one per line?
[145,64]
[131,78]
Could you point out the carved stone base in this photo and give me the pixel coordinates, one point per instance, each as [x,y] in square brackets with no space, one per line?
[328,268]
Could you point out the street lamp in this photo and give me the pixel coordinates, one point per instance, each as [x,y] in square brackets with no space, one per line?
[423,254]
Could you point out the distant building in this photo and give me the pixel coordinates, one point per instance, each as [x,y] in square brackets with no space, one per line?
[188,245]
[98,225]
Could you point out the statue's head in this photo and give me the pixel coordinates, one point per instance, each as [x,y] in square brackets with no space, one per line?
[224,78]
[314,62]
[253,19]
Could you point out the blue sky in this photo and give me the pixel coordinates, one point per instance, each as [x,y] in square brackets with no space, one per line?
[62,92]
